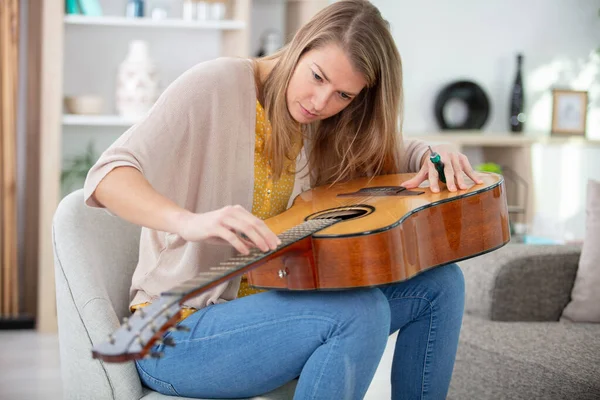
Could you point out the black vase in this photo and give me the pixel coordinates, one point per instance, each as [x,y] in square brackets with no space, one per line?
[517,100]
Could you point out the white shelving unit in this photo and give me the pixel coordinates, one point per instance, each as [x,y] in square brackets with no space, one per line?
[80,54]
[463,139]
[112,21]
[94,47]
[97,120]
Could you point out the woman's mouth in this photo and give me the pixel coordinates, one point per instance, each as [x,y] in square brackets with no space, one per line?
[307,113]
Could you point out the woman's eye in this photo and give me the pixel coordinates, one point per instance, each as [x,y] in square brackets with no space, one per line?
[344,96]
[317,77]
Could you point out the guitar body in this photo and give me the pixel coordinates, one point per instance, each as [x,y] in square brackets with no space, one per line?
[391,238]
[357,234]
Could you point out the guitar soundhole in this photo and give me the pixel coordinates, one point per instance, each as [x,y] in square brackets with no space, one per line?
[343,213]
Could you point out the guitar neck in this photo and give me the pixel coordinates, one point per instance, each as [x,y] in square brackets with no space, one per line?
[240,264]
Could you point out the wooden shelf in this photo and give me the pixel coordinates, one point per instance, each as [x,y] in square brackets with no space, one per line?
[151,23]
[97,120]
[500,139]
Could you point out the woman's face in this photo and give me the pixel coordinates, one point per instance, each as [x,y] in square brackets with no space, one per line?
[323,84]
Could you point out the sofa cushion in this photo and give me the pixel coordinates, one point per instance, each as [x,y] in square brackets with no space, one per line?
[585,295]
[526,360]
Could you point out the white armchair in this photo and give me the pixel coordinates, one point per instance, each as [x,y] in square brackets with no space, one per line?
[95,255]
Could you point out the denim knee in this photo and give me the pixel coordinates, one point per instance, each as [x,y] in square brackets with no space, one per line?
[368,312]
[453,281]
[451,285]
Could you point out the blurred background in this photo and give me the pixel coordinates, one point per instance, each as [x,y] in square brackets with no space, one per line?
[514,84]
[463,85]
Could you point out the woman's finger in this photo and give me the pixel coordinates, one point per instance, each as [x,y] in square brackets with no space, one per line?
[220,241]
[246,230]
[458,172]
[449,173]
[417,179]
[434,184]
[256,229]
[232,239]
[468,169]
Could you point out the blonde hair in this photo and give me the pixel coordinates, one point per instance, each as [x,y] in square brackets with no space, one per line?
[363,139]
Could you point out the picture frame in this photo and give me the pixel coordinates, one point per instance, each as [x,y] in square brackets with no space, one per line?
[569,112]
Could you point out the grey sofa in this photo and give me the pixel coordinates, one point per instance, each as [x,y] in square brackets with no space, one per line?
[95,255]
[512,345]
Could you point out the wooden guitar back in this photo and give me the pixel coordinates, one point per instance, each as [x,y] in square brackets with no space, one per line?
[398,235]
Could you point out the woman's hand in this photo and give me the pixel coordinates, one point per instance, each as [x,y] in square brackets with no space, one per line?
[455,164]
[230,224]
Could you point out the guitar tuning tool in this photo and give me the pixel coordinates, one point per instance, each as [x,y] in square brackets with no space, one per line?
[436,159]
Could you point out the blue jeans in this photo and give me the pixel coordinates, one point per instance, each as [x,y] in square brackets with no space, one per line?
[333,341]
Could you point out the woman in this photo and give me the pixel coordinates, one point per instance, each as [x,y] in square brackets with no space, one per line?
[224,148]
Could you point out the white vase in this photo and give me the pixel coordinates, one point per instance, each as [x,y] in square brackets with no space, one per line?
[137,82]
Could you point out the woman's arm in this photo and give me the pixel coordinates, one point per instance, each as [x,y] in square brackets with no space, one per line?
[125,192]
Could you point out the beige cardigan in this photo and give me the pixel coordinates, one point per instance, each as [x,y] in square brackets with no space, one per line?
[196,147]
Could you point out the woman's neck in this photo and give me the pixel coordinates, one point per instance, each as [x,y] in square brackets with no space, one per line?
[264,69]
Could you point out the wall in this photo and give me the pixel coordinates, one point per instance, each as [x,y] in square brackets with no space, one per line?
[442,41]
[439,42]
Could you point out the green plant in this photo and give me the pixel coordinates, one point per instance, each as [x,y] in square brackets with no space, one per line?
[489,167]
[77,167]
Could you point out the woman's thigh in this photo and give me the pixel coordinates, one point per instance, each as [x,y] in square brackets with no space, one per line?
[257,343]
[441,288]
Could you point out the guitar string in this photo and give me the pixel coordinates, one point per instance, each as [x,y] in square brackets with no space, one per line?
[354,203]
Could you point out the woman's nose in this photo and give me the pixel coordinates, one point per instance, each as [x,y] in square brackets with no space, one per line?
[320,100]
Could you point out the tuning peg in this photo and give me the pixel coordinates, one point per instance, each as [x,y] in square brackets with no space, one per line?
[166,341]
[126,323]
[181,328]
[157,354]
[111,339]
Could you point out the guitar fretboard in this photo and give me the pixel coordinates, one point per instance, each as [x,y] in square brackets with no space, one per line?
[236,263]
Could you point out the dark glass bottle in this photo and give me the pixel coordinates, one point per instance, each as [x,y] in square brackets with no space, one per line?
[517,114]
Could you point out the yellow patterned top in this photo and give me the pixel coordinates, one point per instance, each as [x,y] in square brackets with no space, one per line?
[270,197]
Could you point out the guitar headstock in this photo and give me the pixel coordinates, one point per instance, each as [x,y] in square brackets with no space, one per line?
[137,334]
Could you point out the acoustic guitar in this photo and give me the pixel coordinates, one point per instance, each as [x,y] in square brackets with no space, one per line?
[361,233]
